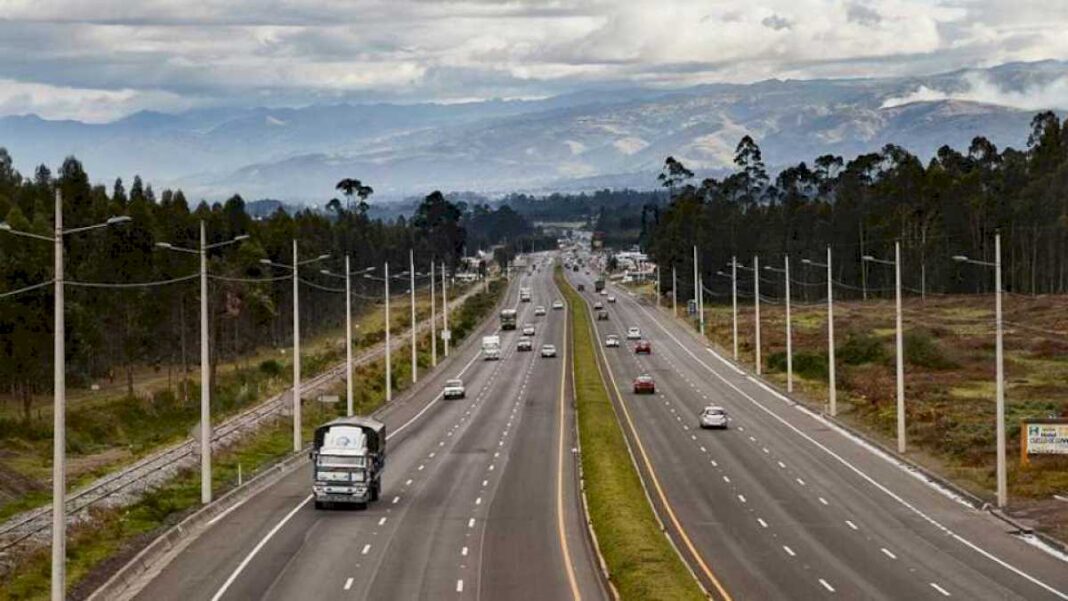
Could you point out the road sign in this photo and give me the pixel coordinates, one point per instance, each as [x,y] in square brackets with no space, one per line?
[1045,437]
[328,398]
[446,335]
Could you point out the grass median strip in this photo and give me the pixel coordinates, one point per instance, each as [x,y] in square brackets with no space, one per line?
[640,559]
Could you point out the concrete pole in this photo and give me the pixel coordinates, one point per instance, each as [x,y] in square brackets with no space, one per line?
[433,318]
[789,333]
[756,305]
[674,292]
[445,309]
[900,354]
[389,359]
[734,302]
[59,416]
[696,284]
[658,286]
[833,391]
[348,339]
[1003,493]
[415,347]
[296,352]
[205,375]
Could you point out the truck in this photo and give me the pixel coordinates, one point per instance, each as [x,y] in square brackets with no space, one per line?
[491,348]
[598,285]
[348,457]
[508,319]
[524,295]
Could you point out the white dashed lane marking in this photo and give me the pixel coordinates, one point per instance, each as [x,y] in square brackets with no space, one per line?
[348,584]
[888,553]
[944,592]
[826,585]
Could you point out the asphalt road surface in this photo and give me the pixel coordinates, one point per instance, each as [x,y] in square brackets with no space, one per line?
[785,505]
[479,499]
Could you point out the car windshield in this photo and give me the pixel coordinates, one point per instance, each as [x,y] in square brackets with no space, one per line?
[713,411]
[454,383]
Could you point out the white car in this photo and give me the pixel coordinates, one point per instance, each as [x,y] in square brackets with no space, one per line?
[548,350]
[611,298]
[557,305]
[633,333]
[454,389]
[611,341]
[528,330]
[539,310]
[524,344]
[714,417]
[604,292]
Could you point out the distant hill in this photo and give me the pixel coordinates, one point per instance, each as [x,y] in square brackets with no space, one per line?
[573,142]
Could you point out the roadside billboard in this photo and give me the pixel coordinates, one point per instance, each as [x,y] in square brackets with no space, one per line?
[1044,437]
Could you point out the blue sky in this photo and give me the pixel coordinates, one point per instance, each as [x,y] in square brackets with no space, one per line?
[103,59]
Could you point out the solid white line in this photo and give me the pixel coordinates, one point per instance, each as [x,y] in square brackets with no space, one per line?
[826,585]
[887,553]
[263,541]
[366,549]
[227,512]
[940,589]
[938,525]
[348,584]
[789,550]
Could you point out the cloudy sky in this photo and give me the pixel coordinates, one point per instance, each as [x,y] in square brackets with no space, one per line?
[101,59]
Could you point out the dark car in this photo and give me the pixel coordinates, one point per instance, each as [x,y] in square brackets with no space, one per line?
[644,385]
[642,347]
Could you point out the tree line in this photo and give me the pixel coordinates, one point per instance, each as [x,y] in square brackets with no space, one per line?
[113,330]
[949,205]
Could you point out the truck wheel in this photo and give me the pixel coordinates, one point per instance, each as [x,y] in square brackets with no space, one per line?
[320,505]
[374,492]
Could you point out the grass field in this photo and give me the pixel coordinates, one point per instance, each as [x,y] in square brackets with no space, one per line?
[115,535]
[640,559]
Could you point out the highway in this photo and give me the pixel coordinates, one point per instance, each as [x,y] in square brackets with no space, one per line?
[479,500]
[785,505]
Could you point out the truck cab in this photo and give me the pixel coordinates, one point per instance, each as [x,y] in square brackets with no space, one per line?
[348,456]
[491,348]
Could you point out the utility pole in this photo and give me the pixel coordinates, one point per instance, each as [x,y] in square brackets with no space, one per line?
[415,347]
[296,351]
[348,339]
[674,292]
[696,284]
[433,319]
[658,285]
[446,334]
[999,358]
[389,366]
[832,393]
[756,304]
[59,419]
[205,362]
[900,343]
[734,302]
[789,333]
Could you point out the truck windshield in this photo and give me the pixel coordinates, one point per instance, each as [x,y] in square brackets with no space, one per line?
[344,438]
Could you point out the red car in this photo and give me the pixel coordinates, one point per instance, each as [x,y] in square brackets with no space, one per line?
[644,385]
[643,348]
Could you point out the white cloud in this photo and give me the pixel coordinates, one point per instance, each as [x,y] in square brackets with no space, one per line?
[92,106]
[1053,94]
[283,52]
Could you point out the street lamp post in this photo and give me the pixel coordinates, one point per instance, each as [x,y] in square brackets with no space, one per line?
[205,360]
[59,411]
[658,285]
[349,404]
[445,333]
[674,292]
[433,319]
[832,392]
[389,361]
[415,347]
[756,302]
[900,343]
[789,334]
[999,358]
[295,268]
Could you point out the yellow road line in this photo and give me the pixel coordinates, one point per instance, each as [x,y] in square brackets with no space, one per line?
[575,594]
[656,481]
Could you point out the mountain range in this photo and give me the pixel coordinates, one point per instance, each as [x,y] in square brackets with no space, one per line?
[581,141]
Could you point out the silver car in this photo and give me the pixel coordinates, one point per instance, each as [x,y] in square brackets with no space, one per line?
[714,417]
[454,389]
[528,330]
[548,350]
[611,341]
[539,310]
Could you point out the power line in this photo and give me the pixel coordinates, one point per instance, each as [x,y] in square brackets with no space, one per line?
[26,289]
[132,284]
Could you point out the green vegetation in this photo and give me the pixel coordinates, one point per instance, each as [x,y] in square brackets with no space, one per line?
[640,560]
[860,348]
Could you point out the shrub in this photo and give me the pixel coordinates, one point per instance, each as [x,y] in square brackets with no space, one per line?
[861,348]
[271,368]
[812,366]
[922,350]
